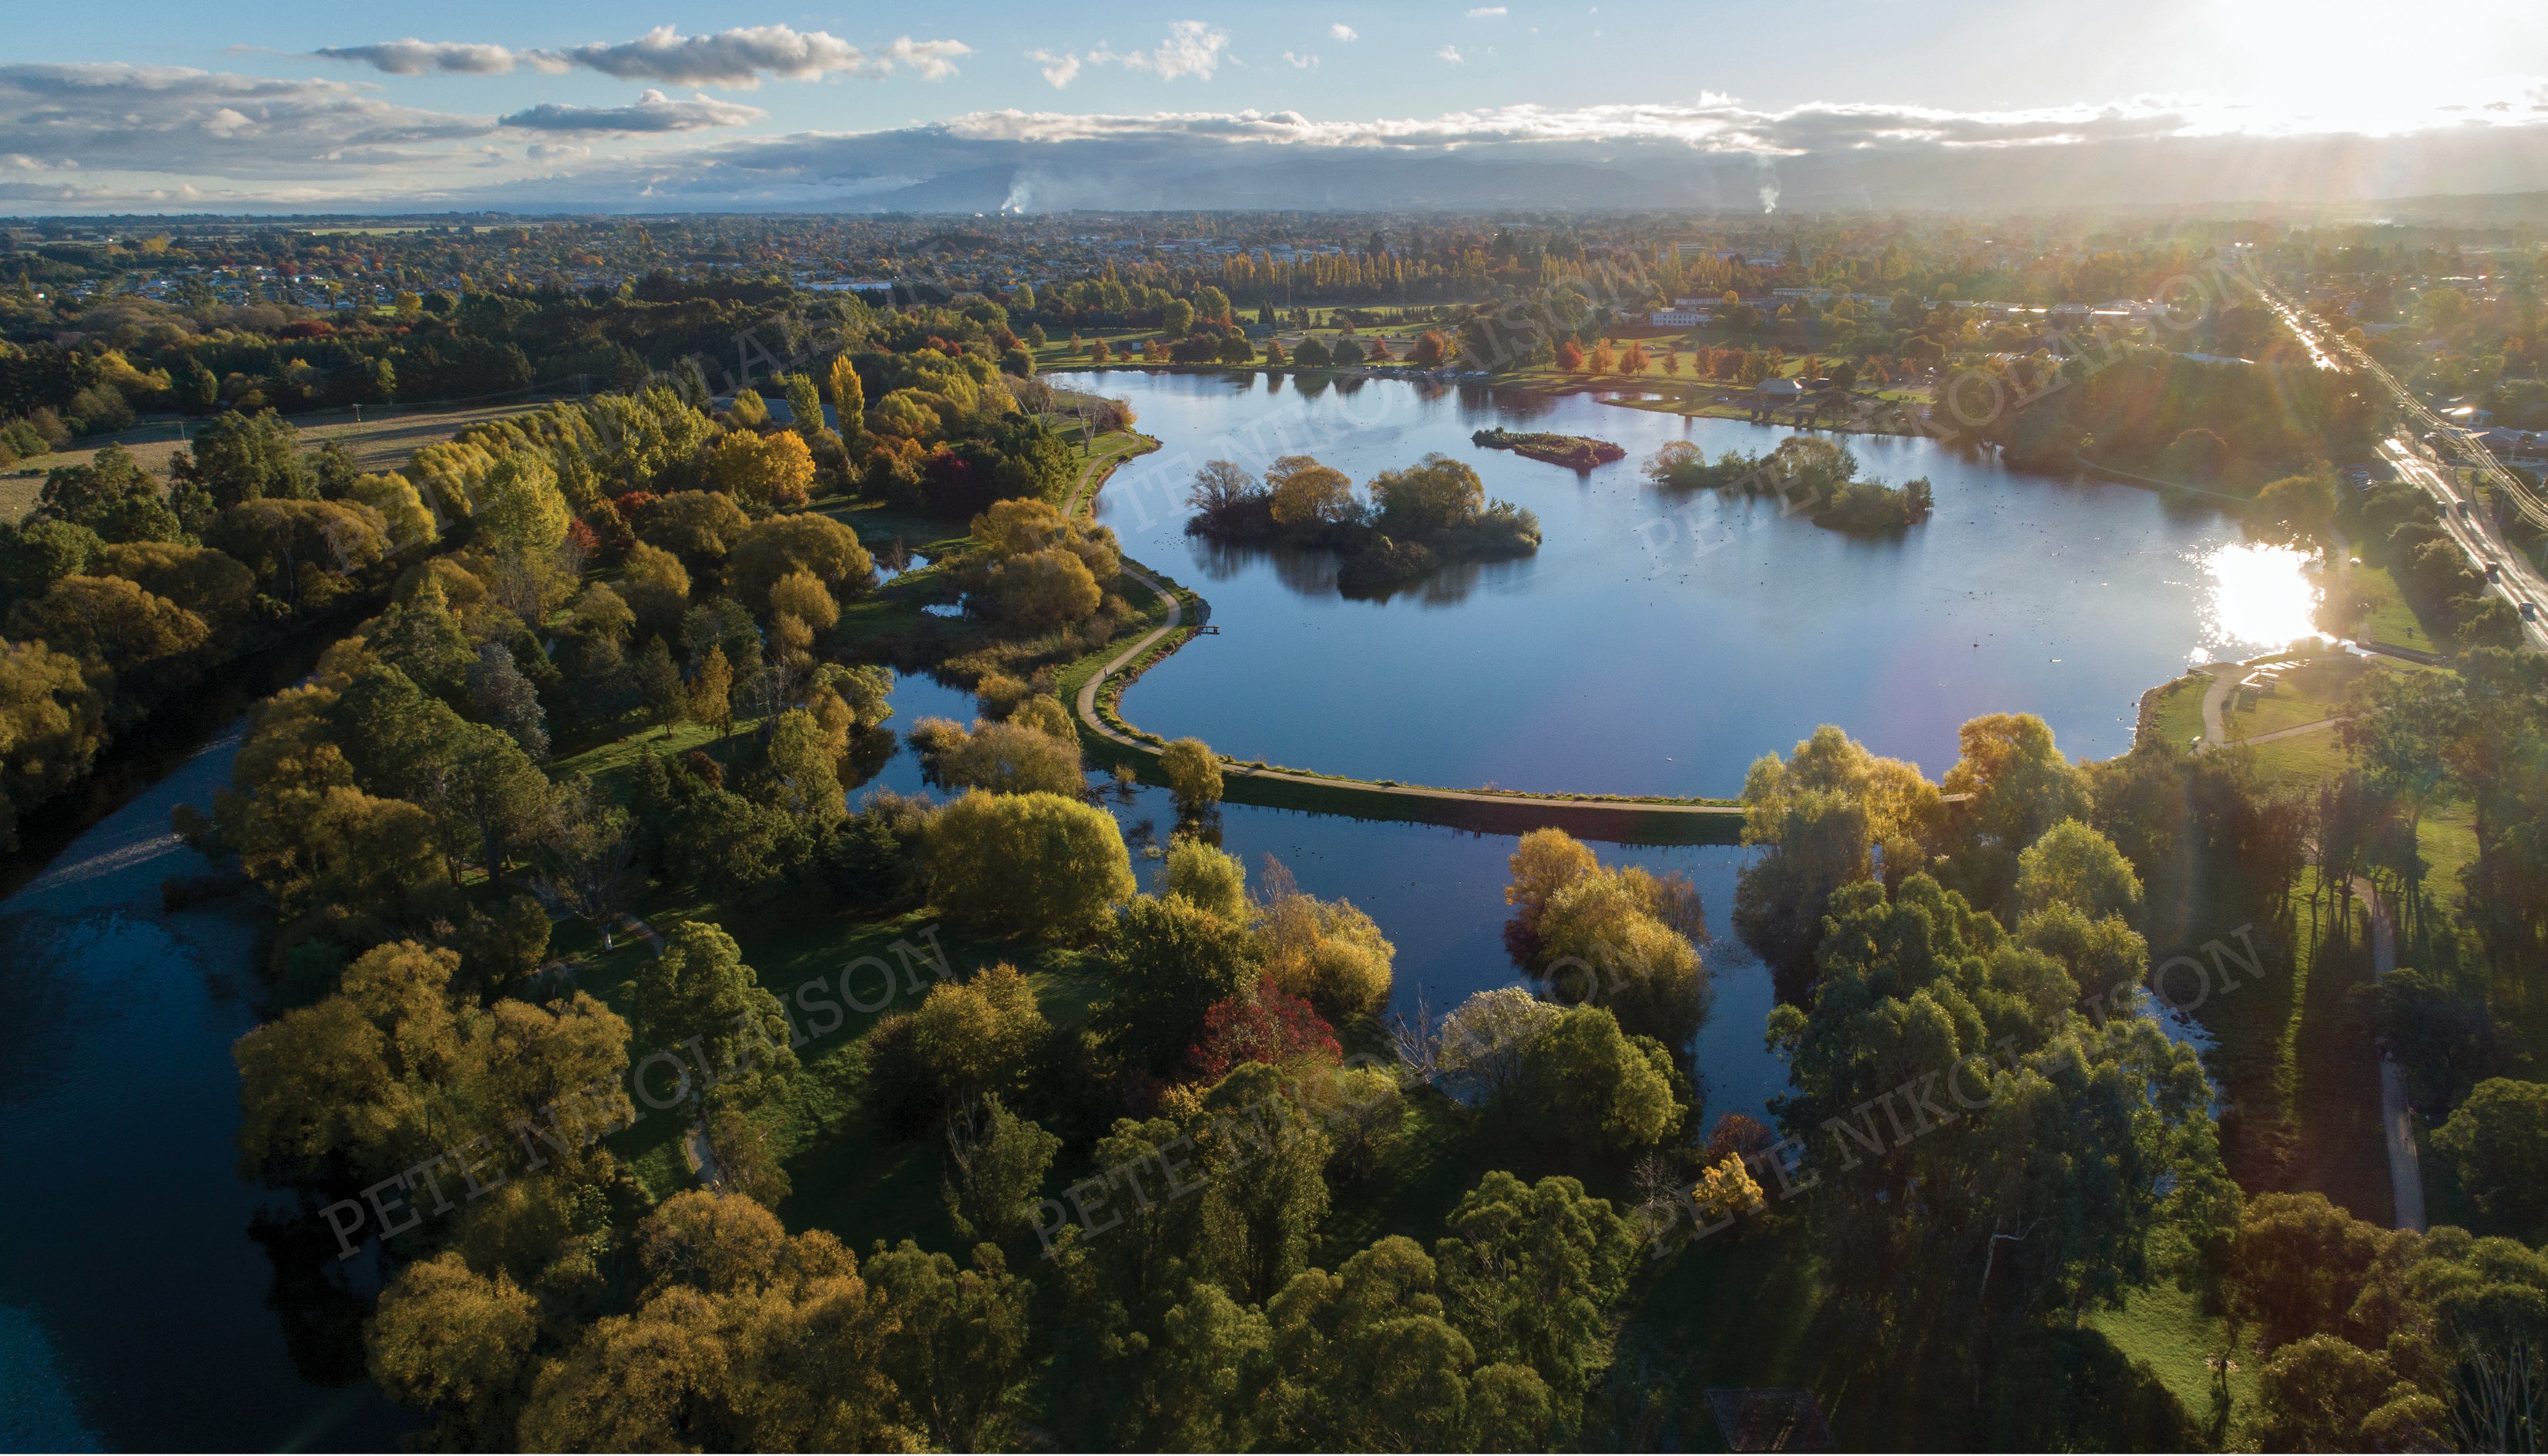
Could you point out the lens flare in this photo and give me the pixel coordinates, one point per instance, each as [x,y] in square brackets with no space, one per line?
[2255,598]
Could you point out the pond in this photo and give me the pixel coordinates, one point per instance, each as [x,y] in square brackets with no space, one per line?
[1658,643]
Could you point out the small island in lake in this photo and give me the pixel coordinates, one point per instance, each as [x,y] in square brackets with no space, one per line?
[1576,452]
[1808,474]
[1417,520]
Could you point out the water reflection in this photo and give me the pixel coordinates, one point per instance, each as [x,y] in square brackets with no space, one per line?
[2255,598]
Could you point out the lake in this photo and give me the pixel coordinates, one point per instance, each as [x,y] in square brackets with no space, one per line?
[1658,643]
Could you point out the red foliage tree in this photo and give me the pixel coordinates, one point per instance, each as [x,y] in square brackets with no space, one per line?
[1570,356]
[1269,1025]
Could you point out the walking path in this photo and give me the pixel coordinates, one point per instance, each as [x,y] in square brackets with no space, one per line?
[2215,731]
[2397,1121]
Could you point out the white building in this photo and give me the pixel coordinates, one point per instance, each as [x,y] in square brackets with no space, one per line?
[1676,317]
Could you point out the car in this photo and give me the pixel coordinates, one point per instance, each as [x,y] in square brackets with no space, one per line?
[2530,611]
[2494,572]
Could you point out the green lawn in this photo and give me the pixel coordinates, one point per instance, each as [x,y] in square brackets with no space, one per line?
[2307,693]
[2166,1329]
[2177,711]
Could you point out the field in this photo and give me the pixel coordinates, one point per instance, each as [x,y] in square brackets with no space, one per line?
[378,441]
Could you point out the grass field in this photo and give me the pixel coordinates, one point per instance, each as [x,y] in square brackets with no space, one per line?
[378,441]
[2176,712]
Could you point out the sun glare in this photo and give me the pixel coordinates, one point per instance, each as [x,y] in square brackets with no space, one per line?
[2254,598]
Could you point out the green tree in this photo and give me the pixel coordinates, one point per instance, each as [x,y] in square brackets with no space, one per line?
[1532,1274]
[1169,964]
[1027,864]
[1597,1087]
[448,1341]
[2497,1142]
[699,990]
[1193,775]
[244,457]
[1437,493]
[802,767]
[997,1161]
[1207,878]
[961,1359]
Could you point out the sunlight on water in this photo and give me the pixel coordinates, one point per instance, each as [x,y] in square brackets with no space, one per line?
[2256,597]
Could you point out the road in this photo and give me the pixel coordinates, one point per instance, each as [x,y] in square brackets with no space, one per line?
[2468,524]
[2416,463]
[2397,1121]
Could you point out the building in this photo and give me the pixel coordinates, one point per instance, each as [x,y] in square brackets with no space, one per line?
[1780,389]
[1676,317]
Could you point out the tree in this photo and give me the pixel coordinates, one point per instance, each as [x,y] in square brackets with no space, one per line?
[1307,493]
[995,1179]
[711,693]
[148,641]
[1002,757]
[1169,964]
[1193,775]
[1530,1274]
[2299,510]
[1206,877]
[658,684]
[1328,953]
[698,526]
[699,990]
[588,859]
[772,471]
[520,507]
[1043,590]
[1264,1025]
[244,457]
[450,1341]
[2019,782]
[976,1037]
[1435,493]
[2073,865]
[1596,1086]
[1027,864]
[2497,1141]
[1487,1039]
[1221,489]
[849,397]
[804,767]
[2318,1392]
[960,1361]
[502,696]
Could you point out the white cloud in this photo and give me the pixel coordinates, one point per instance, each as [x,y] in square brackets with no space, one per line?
[934,59]
[1342,31]
[1450,54]
[1192,48]
[1307,62]
[1485,11]
[735,58]
[414,57]
[651,113]
[738,58]
[1060,70]
[556,151]
[173,120]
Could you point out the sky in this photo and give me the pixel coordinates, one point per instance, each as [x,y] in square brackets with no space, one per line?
[299,106]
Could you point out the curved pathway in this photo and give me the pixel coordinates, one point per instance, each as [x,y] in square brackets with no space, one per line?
[2215,729]
[2397,1120]
[1399,796]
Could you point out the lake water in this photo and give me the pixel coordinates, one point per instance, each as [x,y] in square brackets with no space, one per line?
[1658,643]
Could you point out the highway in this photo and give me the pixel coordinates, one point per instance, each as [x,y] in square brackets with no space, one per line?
[2467,520]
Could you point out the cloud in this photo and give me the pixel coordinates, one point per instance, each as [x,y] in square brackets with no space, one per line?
[1307,62]
[1450,54]
[1060,70]
[1485,11]
[1342,31]
[651,113]
[934,59]
[414,57]
[173,120]
[735,58]
[1192,48]
[738,58]
[554,151]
